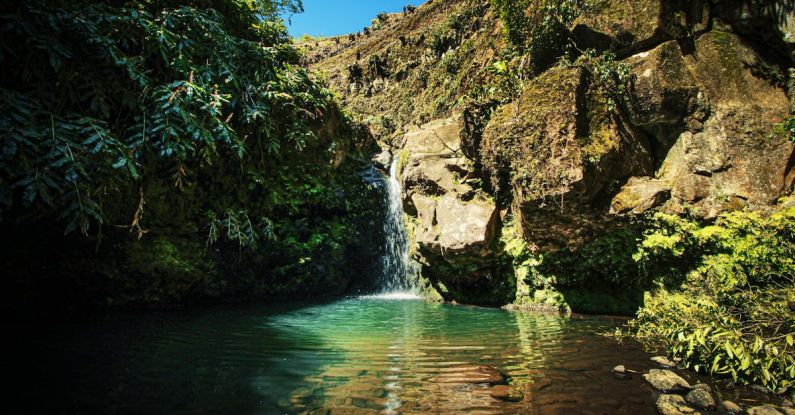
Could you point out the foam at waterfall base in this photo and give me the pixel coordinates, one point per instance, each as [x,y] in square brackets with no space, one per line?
[397,295]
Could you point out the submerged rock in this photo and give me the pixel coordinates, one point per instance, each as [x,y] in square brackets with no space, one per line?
[483,374]
[620,372]
[666,381]
[673,405]
[506,393]
[701,398]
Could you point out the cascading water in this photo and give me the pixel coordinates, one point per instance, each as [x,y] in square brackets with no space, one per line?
[396,261]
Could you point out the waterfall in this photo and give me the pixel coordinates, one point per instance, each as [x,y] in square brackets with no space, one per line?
[396,262]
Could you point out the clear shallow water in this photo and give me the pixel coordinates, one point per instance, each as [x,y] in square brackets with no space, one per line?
[366,355]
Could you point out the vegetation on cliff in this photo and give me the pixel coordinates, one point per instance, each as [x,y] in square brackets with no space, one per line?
[189,126]
[730,307]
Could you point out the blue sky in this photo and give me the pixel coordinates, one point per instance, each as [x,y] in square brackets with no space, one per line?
[337,17]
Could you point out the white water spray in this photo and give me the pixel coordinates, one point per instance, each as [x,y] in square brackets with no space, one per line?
[396,261]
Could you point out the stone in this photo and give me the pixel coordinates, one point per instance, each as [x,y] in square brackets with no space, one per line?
[620,372]
[435,138]
[701,399]
[383,159]
[786,410]
[703,386]
[714,169]
[763,410]
[664,92]
[663,361]
[673,405]
[639,195]
[666,381]
[483,374]
[506,393]
[466,226]
[731,407]
[454,224]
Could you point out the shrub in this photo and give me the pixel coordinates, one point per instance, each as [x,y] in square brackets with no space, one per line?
[733,314]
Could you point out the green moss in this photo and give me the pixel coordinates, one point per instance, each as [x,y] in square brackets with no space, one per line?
[403,161]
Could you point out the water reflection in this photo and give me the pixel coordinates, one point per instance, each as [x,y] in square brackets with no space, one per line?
[413,357]
[358,356]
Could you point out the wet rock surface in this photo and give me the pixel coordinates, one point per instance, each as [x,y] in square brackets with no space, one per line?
[700,398]
[673,405]
[506,393]
[666,381]
[763,410]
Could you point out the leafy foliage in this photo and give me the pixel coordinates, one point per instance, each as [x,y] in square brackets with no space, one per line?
[109,91]
[189,119]
[538,28]
[733,314]
[610,76]
[786,129]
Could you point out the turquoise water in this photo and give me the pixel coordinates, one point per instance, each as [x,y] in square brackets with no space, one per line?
[365,355]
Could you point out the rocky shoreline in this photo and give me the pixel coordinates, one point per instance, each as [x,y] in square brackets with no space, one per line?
[679,397]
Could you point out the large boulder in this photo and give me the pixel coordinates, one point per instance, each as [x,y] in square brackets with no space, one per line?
[454,226]
[709,117]
[627,26]
[558,151]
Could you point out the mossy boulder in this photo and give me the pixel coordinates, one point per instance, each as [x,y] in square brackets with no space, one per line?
[558,149]
[709,117]
[639,195]
[630,26]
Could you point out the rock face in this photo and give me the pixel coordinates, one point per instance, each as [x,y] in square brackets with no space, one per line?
[709,120]
[666,381]
[556,157]
[625,27]
[695,137]
[455,226]
[565,155]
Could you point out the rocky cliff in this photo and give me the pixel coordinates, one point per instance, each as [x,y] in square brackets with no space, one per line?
[553,133]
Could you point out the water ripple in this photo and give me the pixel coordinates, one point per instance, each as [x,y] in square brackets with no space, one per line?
[358,356]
